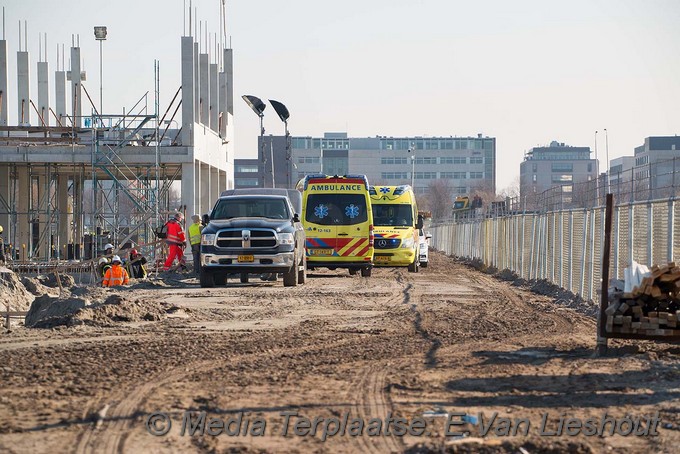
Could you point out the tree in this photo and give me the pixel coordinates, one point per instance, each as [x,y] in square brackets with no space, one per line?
[439,198]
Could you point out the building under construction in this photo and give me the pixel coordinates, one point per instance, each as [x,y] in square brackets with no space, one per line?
[71,182]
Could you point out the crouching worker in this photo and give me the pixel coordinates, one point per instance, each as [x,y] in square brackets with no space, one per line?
[116,275]
[135,266]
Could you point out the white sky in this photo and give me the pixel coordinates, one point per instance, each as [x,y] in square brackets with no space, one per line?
[523,71]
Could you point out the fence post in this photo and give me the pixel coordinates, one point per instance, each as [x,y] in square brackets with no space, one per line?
[521,256]
[650,233]
[631,234]
[561,236]
[583,253]
[671,222]
[601,348]
[591,281]
[571,250]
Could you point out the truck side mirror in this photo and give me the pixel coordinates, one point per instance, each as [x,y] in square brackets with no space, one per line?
[296,217]
[206,219]
[428,236]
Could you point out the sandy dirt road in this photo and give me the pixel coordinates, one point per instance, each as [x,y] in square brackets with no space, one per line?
[400,345]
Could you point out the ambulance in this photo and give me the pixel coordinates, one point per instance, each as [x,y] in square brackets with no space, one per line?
[397,224]
[338,222]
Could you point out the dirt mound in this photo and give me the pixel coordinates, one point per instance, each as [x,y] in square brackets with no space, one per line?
[50,280]
[13,292]
[34,286]
[48,312]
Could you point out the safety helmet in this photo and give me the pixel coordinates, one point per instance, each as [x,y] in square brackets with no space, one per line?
[134,252]
[116,259]
[1,229]
[108,246]
[103,260]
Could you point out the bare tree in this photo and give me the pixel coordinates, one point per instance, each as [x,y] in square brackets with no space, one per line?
[439,196]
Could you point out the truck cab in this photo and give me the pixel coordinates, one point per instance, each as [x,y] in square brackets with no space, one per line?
[254,231]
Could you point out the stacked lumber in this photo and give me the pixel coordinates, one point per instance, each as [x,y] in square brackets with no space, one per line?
[650,308]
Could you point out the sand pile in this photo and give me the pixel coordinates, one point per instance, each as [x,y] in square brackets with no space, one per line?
[13,292]
[95,307]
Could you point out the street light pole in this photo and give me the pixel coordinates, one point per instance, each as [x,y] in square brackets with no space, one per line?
[412,151]
[100,35]
[258,107]
[606,145]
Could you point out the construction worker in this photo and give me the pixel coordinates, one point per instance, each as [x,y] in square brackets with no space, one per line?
[116,275]
[135,266]
[102,266]
[176,242]
[195,240]
[108,250]
[2,247]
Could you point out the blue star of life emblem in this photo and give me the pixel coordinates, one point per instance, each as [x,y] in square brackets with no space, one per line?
[352,211]
[321,211]
[384,190]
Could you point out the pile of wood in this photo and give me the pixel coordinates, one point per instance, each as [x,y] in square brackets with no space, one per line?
[651,308]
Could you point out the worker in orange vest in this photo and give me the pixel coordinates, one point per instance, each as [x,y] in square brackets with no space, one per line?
[116,275]
[176,242]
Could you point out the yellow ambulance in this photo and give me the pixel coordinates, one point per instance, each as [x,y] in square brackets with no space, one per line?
[397,222]
[338,222]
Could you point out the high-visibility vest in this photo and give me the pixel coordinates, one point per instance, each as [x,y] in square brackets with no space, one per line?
[175,233]
[116,275]
[195,233]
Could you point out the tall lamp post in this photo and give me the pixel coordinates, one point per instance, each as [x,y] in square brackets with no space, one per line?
[100,35]
[412,152]
[258,107]
[283,114]
[606,146]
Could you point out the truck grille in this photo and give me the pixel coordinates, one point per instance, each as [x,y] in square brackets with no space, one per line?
[259,239]
[386,243]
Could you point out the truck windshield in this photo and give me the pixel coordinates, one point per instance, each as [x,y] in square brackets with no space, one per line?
[392,215]
[336,209]
[251,207]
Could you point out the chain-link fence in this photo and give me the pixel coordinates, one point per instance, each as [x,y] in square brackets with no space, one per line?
[564,245]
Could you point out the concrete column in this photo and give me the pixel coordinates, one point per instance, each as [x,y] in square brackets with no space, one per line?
[188,100]
[222,105]
[44,92]
[225,183]
[23,226]
[229,71]
[3,83]
[197,186]
[60,96]
[43,220]
[188,186]
[214,99]
[76,89]
[204,95]
[197,84]
[78,216]
[215,189]
[23,90]
[64,218]
[4,203]
[205,188]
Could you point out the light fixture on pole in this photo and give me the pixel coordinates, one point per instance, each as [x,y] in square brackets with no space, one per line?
[258,107]
[284,115]
[100,35]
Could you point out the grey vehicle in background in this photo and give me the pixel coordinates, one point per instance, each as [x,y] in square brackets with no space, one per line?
[254,231]
[424,247]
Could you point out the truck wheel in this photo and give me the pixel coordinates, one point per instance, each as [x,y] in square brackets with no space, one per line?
[220,278]
[206,278]
[352,272]
[244,278]
[365,272]
[302,274]
[423,264]
[290,277]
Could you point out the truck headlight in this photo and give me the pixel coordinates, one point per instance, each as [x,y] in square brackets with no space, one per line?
[286,238]
[407,243]
[208,239]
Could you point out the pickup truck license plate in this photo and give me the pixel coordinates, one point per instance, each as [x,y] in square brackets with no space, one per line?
[326,252]
[382,258]
[245,258]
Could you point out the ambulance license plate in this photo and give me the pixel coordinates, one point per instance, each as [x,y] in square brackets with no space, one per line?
[382,258]
[325,252]
[245,258]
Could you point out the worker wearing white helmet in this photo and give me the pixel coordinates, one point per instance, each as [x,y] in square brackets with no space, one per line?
[116,275]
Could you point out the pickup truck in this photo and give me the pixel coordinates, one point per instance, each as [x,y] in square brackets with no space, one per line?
[254,231]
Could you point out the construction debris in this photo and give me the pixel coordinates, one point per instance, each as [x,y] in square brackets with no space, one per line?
[651,307]
[13,294]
